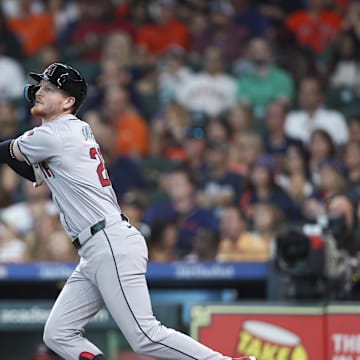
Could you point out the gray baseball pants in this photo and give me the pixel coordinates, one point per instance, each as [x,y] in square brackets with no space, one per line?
[112,272]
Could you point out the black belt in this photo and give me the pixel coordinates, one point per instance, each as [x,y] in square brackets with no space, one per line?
[93,230]
[96,228]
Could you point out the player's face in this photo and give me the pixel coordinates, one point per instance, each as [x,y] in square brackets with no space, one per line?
[51,102]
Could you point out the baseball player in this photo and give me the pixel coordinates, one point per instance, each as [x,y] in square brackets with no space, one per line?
[64,154]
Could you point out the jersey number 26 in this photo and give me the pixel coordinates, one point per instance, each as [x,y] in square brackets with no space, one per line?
[95,153]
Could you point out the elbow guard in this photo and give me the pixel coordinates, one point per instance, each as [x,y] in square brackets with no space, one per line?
[6,153]
[20,167]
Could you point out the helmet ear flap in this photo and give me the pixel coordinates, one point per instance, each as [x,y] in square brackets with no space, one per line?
[30,91]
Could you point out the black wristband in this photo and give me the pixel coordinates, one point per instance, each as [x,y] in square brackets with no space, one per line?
[11,150]
[5,155]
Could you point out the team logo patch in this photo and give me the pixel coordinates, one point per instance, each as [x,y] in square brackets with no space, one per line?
[30,133]
[50,70]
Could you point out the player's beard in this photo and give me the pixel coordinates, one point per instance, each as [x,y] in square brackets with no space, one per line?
[37,111]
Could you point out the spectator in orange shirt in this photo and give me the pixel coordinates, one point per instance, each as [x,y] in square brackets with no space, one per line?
[165,32]
[9,42]
[35,30]
[133,136]
[315,27]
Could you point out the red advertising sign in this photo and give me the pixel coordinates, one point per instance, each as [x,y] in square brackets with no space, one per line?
[343,332]
[266,332]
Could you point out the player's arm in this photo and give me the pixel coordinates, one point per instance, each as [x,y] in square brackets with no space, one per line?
[10,154]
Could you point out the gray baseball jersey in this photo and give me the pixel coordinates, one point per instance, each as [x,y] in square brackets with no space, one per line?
[113,257]
[72,166]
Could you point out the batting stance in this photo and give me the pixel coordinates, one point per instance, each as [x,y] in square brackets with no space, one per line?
[63,153]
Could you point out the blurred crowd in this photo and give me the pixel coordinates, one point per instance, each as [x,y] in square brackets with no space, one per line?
[221,121]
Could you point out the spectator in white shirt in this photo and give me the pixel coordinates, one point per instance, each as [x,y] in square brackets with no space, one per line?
[12,248]
[173,72]
[301,123]
[211,91]
[12,78]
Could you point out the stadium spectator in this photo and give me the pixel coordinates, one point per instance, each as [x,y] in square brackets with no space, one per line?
[35,29]
[205,246]
[332,182]
[246,148]
[250,17]
[312,115]
[36,217]
[218,128]
[354,127]
[12,78]
[195,148]
[162,241]
[132,132]
[116,66]
[275,12]
[9,43]
[351,21]
[226,31]
[111,73]
[352,162]
[316,26]
[136,11]
[321,148]
[200,37]
[238,243]
[264,81]
[295,175]
[332,178]
[343,74]
[232,229]
[64,13]
[60,249]
[267,222]
[211,91]
[96,20]
[173,73]
[168,132]
[299,62]
[262,187]
[220,186]
[133,203]
[181,206]
[276,142]
[118,46]
[46,56]
[240,119]
[166,30]
[342,207]
[344,64]
[12,248]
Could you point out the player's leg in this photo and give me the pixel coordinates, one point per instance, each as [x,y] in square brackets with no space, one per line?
[77,303]
[121,281]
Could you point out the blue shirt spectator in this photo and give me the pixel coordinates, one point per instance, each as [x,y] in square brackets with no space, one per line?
[182,208]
